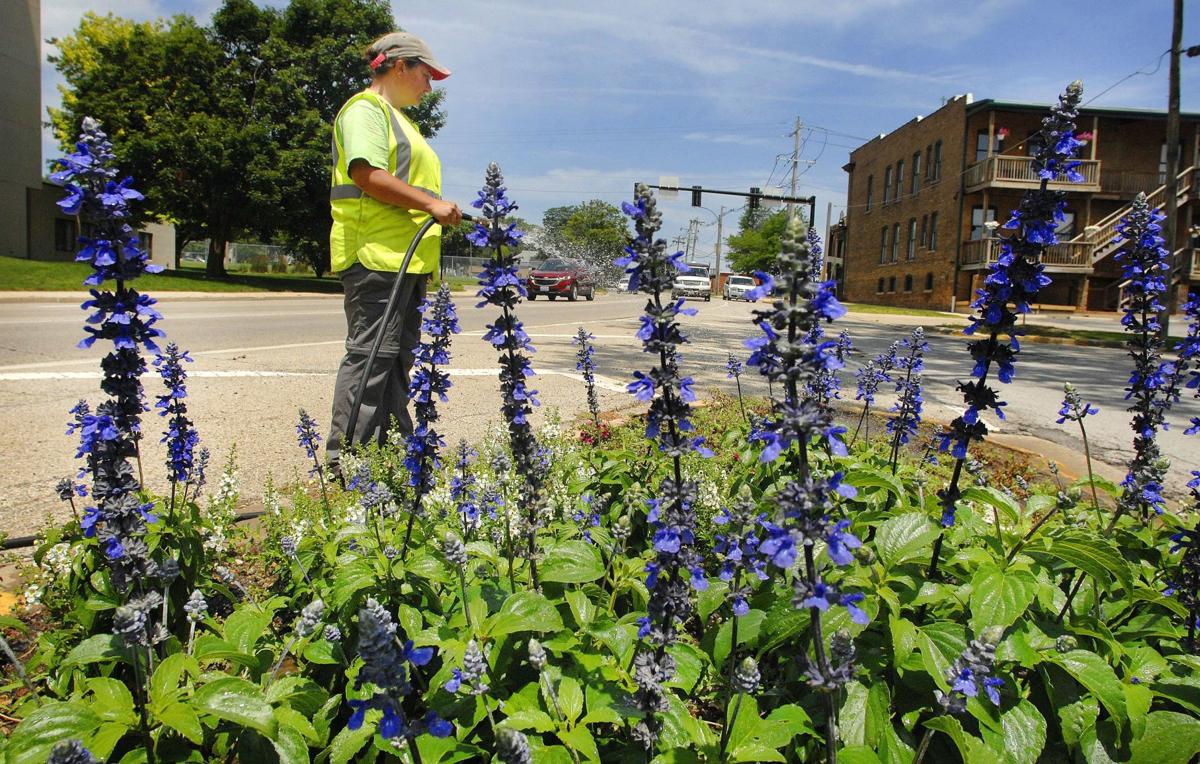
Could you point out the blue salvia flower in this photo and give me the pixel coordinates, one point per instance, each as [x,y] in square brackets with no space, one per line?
[471,675]
[1153,383]
[785,354]
[970,673]
[428,386]
[385,667]
[585,364]
[677,566]
[909,404]
[825,387]
[1189,352]
[870,376]
[462,488]
[501,287]
[1073,407]
[737,549]
[309,438]
[70,752]
[1012,284]
[181,436]
[587,520]
[109,437]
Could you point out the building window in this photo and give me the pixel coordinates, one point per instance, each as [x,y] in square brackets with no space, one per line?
[1066,229]
[915,184]
[887,184]
[883,245]
[908,282]
[979,217]
[981,145]
[891,283]
[879,289]
[929,162]
[899,180]
[145,242]
[895,242]
[924,230]
[911,250]
[870,190]
[933,217]
[65,239]
[928,282]
[937,161]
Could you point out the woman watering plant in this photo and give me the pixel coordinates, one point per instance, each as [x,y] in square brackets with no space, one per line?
[387,183]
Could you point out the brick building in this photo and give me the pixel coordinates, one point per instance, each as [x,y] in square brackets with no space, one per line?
[920,198]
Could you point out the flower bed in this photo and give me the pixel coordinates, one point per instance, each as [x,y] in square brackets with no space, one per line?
[748,583]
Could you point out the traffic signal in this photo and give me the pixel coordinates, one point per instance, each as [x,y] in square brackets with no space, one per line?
[755,191]
[695,196]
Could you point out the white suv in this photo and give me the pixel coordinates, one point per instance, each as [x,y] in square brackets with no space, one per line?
[736,287]
[693,283]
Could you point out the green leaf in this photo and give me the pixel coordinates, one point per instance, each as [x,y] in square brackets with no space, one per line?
[351,577]
[1091,671]
[1095,555]
[181,718]
[879,713]
[857,754]
[745,724]
[1000,597]
[748,630]
[582,609]
[581,740]
[783,724]
[904,537]
[246,625]
[523,611]
[96,649]
[571,562]
[236,700]
[617,637]
[853,717]
[689,664]
[347,743]
[1170,738]
[602,702]
[104,740]
[290,717]
[971,748]
[936,664]
[164,683]
[53,721]
[863,478]
[708,600]
[570,698]
[529,719]
[1024,734]
[113,700]
[994,498]
[290,746]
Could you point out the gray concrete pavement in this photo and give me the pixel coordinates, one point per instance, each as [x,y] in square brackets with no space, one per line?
[259,361]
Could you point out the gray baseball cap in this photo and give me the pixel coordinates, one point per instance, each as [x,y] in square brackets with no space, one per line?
[402,45]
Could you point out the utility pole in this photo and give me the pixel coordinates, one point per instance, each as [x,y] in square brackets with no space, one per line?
[796,163]
[1172,189]
[720,217]
[693,236]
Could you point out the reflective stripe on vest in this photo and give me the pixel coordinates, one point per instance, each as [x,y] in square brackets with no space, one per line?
[372,232]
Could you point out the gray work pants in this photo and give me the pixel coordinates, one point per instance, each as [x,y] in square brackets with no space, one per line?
[386,394]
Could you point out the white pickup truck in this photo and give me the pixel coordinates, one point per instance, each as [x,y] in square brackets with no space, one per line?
[695,282]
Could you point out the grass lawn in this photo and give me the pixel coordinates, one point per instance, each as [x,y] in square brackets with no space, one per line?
[862,307]
[18,274]
[1107,339]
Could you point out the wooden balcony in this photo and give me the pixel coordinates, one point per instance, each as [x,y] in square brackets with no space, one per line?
[1002,171]
[1066,257]
[1196,264]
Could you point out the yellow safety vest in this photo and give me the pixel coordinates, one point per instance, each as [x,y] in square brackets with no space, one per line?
[369,231]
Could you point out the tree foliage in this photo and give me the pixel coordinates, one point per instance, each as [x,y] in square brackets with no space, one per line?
[226,127]
[756,244]
[594,232]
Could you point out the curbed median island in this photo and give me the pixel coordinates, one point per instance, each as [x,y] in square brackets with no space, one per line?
[744,581]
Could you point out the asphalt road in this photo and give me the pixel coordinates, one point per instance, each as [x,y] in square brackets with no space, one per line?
[257,361]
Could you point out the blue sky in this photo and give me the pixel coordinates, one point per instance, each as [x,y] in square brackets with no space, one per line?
[578,100]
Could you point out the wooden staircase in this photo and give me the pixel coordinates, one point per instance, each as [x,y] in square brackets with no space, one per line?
[1102,236]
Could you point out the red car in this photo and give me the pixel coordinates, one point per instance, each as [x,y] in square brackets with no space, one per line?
[560,278]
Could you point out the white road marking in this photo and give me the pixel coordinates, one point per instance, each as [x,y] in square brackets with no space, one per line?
[604,383]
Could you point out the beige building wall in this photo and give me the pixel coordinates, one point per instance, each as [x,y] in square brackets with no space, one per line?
[20,119]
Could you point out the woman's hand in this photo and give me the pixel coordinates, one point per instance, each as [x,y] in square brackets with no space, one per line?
[446,213]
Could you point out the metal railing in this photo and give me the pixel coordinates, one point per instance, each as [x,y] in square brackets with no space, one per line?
[1065,256]
[1018,172]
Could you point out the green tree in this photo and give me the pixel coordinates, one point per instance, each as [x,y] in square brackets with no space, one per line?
[226,129]
[594,231]
[755,246]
